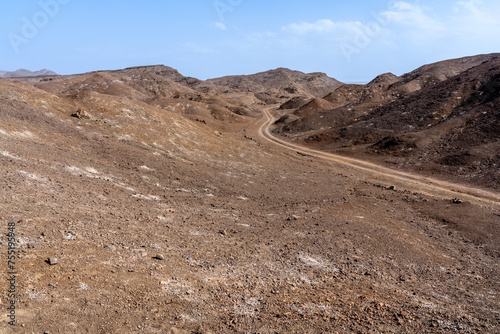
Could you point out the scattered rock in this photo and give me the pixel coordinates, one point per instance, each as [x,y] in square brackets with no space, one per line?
[110,247]
[52,261]
[81,114]
[159,257]
[456,201]
[223,232]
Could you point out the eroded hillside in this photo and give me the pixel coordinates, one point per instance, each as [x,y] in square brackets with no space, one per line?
[168,213]
[442,119]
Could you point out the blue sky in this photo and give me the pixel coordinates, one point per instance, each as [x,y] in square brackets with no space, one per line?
[353,41]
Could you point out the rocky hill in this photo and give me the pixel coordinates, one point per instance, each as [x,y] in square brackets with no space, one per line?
[279,83]
[143,201]
[441,118]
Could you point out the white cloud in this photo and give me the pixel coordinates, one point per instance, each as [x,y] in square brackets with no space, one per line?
[413,16]
[476,12]
[324,26]
[404,28]
[220,25]
[305,27]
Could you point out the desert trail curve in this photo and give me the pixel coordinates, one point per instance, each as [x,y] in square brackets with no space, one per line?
[415,183]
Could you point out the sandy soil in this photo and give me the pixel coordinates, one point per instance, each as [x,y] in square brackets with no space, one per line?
[163,225]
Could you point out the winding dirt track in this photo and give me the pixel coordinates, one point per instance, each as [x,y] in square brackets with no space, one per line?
[415,183]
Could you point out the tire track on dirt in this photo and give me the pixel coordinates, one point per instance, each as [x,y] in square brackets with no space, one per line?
[416,183]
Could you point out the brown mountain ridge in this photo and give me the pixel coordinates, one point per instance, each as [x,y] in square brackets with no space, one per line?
[442,118]
[143,201]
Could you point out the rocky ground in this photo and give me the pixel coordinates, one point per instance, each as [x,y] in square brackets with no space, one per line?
[441,119]
[169,221]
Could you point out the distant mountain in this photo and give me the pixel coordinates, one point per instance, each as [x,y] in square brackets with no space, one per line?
[22,73]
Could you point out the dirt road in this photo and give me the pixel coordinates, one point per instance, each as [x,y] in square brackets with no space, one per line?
[414,183]
[164,225]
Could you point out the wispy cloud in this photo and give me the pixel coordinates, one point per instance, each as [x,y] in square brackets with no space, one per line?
[414,29]
[220,25]
[319,26]
[474,16]
[325,27]
[414,16]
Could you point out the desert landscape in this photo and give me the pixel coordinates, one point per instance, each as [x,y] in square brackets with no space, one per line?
[144,201]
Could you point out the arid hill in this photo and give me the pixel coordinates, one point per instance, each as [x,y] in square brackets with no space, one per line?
[271,86]
[158,86]
[143,201]
[431,120]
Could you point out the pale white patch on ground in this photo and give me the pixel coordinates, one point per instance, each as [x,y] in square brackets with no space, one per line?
[165,219]
[33,176]
[69,236]
[36,295]
[147,197]
[247,306]
[160,186]
[91,170]
[182,190]
[124,137]
[82,286]
[23,241]
[147,168]
[158,145]
[243,198]
[311,309]
[179,288]
[316,262]
[88,172]
[25,134]
[9,155]
[124,186]
[188,318]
